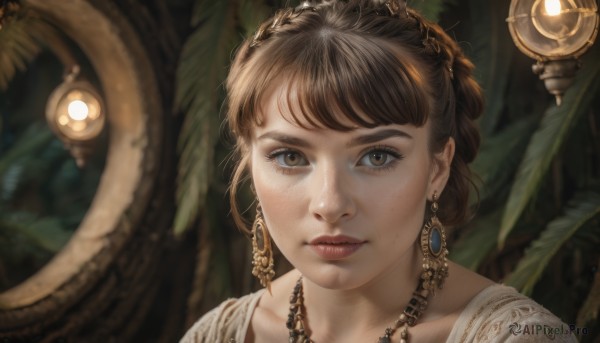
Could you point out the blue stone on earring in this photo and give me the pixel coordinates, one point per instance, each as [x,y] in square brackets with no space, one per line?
[435,241]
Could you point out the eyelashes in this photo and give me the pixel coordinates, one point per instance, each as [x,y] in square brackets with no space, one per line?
[380,157]
[376,158]
[288,158]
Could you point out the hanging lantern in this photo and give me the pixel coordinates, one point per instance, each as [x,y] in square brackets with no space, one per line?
[75,113]
[555,33]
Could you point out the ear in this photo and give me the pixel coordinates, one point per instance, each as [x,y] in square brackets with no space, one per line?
[440,169]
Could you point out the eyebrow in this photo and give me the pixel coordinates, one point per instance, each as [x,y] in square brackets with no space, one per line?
[290,140]
[360,140]
[378,136]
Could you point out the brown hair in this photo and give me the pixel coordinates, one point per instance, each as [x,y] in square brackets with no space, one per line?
[375,63]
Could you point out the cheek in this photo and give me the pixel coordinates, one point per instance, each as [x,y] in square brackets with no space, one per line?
[400,200]
[269,188]
[279,199]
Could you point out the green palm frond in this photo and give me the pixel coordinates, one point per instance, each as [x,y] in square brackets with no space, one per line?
[581,154]
[504,149]
[252,13]
[35,137]
[45,233]
[591,306]
[583,208]
[430,9]
[201,70]
[20,43]
[548,140]
[491,49]
[474,246]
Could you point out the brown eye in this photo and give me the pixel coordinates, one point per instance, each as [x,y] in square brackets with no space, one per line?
[378,158]
[290,159]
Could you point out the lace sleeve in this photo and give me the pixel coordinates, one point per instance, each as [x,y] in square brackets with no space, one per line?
[206,329]
[501,314]
[226,323]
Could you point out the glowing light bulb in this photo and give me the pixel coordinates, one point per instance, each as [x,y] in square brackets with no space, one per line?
[78,110]
[553,7]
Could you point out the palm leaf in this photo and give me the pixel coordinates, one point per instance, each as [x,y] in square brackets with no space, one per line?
[201,70]
[504,149]
[430,9]
[580,154]
[20,40]
[589,310]
[491,51]
[44,233]
[583,208]
[252,13]
[34,138]
[548,140]
[474,246]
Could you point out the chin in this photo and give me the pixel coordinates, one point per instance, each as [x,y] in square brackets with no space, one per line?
[334,275]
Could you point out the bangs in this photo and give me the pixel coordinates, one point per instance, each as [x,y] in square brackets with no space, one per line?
[332,78]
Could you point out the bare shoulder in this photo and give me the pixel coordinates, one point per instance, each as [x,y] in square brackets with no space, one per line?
[461,286]
[465,281]
[448,303]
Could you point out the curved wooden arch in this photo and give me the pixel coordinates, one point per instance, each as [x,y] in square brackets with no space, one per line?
[96,267]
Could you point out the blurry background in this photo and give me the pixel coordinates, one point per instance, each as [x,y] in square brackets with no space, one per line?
[134,244]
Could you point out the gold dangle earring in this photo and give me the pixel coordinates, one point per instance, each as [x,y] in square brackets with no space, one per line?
[433,246]
[262,253]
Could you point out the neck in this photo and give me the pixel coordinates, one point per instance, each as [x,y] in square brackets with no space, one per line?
[370,307]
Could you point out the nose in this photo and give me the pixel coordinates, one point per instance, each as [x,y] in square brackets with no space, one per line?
[332,200]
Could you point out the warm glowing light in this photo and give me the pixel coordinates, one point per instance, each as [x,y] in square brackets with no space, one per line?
[78,110]
[553,7]
[78,126]
[63,120]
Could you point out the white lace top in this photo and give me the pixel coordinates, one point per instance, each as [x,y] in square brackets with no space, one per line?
[497,314]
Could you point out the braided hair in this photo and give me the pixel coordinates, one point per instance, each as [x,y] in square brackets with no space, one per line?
[378,63]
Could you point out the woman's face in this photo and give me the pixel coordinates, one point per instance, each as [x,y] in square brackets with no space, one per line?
[343,207]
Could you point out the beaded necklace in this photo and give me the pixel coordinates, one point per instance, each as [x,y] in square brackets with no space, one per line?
[416,306]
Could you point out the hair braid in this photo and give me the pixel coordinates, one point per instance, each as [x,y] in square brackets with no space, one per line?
[272,25]
[463,105]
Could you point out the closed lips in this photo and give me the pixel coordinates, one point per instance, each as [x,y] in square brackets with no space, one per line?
[336,240]
[334,248]
[337,243]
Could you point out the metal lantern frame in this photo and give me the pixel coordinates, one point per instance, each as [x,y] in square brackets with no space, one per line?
[79,144]
[557,71]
